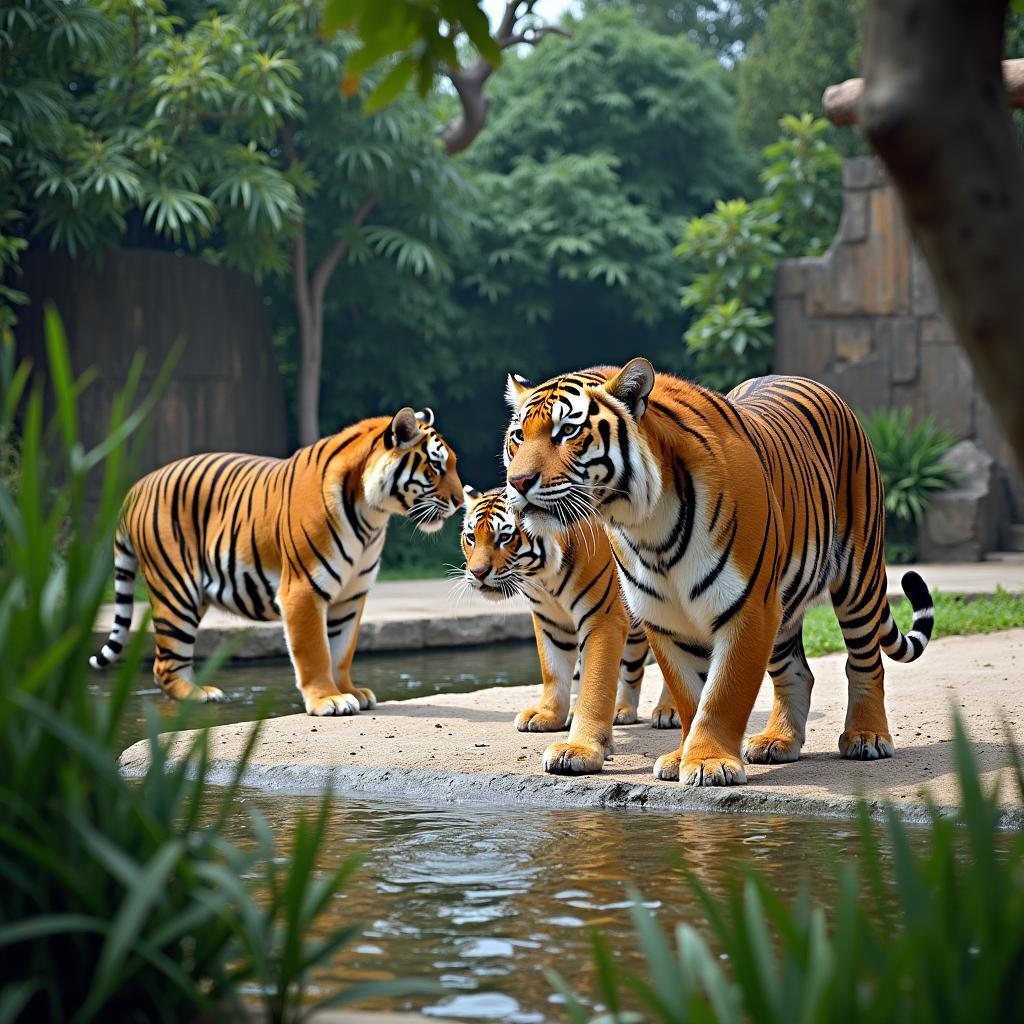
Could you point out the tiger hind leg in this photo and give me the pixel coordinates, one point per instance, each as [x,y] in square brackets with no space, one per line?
[173,671]
[782,738]
[631,676]
[866,735]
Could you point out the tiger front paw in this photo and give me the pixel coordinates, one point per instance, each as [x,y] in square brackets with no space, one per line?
[665,716]
[573,759]
[333,704]
[717,770]
[625,715]
[666,768]
[866,745]
[366,698]
[771,748]
[539,720]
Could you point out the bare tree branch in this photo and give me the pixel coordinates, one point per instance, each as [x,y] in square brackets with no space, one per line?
[934,107]
[469,82]
[841,102]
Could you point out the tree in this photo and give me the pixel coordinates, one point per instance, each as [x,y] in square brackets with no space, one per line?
[805,45]
[732,252]
[222,134]
[723,27]
[948,142]
[658,104]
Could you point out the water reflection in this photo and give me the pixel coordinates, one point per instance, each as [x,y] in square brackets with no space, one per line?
[483,900]
[265,689]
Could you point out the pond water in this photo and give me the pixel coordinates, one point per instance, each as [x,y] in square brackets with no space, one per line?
[482,900]
[266,688]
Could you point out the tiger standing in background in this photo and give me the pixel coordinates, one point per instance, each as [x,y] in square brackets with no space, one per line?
[298,539]
[579,620]
[727,516]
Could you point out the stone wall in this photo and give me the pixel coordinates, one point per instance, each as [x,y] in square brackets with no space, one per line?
[865,319]
[225,394]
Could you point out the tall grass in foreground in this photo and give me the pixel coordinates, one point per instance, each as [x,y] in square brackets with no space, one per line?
[120,901]
[936,939]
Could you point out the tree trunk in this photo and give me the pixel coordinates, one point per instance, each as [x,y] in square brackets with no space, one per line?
[935,109]
[311,340]
[309,306]
[311,330]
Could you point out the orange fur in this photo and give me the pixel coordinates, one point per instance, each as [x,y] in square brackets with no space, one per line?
[582,627]
[298,539]
[727,516]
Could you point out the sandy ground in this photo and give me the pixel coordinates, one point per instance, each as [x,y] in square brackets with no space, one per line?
[463,747]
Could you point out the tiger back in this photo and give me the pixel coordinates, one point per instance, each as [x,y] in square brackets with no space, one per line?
[569,580]
[298,539]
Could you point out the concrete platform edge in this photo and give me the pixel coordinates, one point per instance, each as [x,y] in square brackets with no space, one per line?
[579,792]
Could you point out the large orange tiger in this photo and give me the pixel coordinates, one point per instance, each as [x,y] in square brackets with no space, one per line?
[298,539]
[585,639]
[727,515]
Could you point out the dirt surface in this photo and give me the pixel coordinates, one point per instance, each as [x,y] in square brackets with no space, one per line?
[463,747]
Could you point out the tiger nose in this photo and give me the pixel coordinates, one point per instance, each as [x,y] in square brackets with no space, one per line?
[480,571]
[523,483]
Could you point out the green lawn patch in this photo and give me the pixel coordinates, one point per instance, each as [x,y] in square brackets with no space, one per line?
[955,615]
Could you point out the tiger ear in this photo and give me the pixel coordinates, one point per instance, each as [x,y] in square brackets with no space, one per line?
[426,417]
[472,495]
[516,391]
[632,384]
[405,429]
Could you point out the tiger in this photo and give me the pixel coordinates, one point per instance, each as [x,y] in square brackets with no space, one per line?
[728,515]
[585,639]
[297,539]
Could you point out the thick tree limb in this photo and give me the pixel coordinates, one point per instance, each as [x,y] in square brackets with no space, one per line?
[469,82]
[841,102]
[934,107]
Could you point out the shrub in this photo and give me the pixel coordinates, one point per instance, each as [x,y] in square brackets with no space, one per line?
[121,901]
[733,251]
[910,459]
[943,940]
[803,178]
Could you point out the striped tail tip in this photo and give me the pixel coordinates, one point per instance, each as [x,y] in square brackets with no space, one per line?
[97,661]
[910,646]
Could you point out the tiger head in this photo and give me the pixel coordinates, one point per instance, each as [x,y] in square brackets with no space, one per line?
[415,473]
[574,448]
[499,553]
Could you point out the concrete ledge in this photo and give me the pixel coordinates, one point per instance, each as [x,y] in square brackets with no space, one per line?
[462,748]
[412,614]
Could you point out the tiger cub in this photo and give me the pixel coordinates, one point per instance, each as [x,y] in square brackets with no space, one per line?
[584,636]
[727,516]
[297,539]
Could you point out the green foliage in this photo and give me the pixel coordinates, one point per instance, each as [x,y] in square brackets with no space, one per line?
[944,940]
[910,458]
[806,46]
[656,104]
[730,342]
[425,34]
[734,250]
[121,900]
[127,115]
[802,177]
[955,615]
[558,226]
[731,253]
[723,27]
